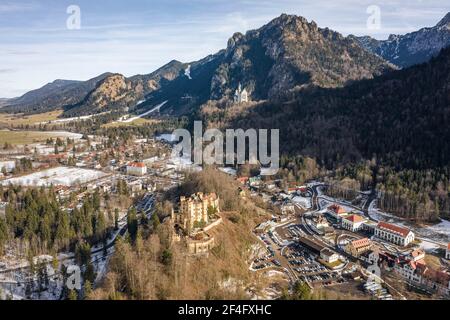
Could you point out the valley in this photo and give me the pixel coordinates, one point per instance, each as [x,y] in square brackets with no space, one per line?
[97,202]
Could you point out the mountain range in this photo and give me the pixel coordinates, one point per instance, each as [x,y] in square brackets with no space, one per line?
[400,118]
[412,48]
[285,56]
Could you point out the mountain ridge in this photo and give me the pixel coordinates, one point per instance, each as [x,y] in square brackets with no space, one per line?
[283,56]
[412,48]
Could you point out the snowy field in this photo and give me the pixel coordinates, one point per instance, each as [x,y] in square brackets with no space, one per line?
[303,202]
[56,176]
[228,170]
[168,137]
[439,232]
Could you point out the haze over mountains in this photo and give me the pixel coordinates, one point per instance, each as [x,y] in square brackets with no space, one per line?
[286,55]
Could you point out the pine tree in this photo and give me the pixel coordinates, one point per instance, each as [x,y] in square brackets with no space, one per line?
[73,295]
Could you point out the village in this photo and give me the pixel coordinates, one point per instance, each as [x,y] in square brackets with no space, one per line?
[76,168]
[332,243]
[311,237]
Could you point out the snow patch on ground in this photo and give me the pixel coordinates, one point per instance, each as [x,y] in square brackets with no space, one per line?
[438,233]
[56,176]
[302,201]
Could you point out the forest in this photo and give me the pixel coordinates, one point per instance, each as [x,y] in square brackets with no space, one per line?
[397,121]
[36,222]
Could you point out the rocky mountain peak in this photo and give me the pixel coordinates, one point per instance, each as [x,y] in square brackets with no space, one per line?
[445,22]
[411,48]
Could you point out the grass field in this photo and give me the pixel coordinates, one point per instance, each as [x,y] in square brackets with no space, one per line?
[27,137]
[19,119]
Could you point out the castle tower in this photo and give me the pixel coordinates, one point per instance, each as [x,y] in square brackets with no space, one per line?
[240,95]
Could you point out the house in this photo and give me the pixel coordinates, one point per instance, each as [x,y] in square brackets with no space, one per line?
[353,222]
[411,270]
[369,226]
[447,252]
[136,169]
[437,281]
[358,247]
[394,234]
[417,255]
[328,255]
[336,211]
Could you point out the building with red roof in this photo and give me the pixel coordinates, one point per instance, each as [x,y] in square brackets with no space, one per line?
[358,247]
[447,252]
[395,234]
[337,211]
[136,169]
[353,222]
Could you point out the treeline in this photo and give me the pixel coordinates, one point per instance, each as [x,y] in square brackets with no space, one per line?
[420,195]
[298,169]
[34,218]
[399,119]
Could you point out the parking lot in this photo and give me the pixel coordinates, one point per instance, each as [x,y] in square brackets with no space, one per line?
[305,264]
[269,259]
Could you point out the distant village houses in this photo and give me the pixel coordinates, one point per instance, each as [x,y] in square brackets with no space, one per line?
[136,169]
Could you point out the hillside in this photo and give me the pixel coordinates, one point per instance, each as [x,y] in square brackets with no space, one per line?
[139,271]
[52,96]
[104,93]
[412,48]
[400,117]
[286,54]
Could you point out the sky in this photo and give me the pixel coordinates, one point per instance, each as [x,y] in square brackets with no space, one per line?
[37,45]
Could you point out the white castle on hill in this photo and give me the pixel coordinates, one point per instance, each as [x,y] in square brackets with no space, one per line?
[240,95]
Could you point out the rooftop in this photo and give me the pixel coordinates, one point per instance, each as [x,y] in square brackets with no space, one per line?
[327,252]
[337,209]
[394,228]
[355,218]
[360,243]
[136,164]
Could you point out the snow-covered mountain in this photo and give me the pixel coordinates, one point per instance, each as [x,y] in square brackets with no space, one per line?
[412,48]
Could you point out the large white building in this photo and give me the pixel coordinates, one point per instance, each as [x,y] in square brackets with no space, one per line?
[328,255]
[241,95]
[136,169]
[353,223]
[394,234]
